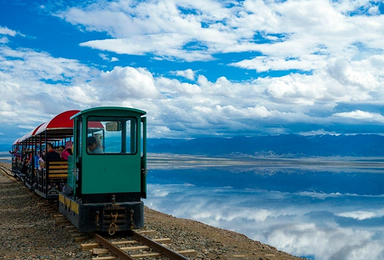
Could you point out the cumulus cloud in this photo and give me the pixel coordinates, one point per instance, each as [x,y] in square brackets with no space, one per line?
[24,78]
[127,83]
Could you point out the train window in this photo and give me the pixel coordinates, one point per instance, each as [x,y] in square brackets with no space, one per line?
[142,139]
[80,130]
[111,136]
[131,136]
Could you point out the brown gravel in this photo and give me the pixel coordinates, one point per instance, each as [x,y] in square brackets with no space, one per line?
[27,233]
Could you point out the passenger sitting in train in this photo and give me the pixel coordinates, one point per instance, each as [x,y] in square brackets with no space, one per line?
[15,153]
[67,151]
[57,149]
[24,168]
[37,159]
[92,145]
[51,154]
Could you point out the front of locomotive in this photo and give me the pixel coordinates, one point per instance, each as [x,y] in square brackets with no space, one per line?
[107,171]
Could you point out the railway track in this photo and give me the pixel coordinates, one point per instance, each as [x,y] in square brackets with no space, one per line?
[5,170]
[137,246]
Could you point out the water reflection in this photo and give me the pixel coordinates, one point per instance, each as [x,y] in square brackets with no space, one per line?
[307,209]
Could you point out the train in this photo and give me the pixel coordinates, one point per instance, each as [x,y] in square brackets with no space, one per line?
[99,178]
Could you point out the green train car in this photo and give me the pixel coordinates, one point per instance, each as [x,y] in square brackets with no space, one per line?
[107,170]
[99,180]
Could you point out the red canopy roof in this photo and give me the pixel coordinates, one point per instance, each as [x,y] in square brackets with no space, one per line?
[26,136]
[37,128]
[61,121]
[62,124]
[16,141]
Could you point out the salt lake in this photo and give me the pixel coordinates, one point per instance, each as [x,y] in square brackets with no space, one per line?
[320,208]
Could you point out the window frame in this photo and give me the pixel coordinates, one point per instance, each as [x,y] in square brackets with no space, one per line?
[126,134]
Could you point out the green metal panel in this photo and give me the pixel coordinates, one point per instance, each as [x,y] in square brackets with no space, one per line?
[144,157]
[110,173]
[71,179]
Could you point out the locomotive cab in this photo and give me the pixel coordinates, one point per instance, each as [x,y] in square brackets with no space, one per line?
[107,170]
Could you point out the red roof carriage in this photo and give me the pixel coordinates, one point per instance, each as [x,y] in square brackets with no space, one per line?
[27,136]
[17,141]
[60,123]
[61,126]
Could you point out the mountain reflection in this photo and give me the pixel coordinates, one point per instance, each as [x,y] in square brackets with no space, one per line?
[322,208]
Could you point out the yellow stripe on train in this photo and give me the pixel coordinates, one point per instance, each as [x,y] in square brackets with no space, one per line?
[75,207]
[61,198]
[69,203]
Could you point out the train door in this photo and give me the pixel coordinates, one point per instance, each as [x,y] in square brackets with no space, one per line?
[111,159]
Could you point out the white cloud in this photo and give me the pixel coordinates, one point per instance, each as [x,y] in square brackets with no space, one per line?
[361,115]
[83,94]
[292,29]
[39,65]
[179,109]
[359,215]
[318,132]
[319,38]
[4,40]
[127,83]
[103,56]
[6,31]
[173,87]
[24,77]
[168,46]
[188,74]
[335,243]
[264,63]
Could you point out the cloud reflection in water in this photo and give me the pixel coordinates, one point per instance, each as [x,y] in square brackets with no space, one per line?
[322,213]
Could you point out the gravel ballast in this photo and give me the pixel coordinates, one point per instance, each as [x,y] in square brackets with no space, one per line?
[27,233]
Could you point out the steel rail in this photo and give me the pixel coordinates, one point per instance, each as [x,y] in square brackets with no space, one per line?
[111,247]
[158,247]
[6,170]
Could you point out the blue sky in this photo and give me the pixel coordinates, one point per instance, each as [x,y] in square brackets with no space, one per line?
[198,68]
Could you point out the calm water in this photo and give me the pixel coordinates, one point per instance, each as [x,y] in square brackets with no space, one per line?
[325,208]
[320,208]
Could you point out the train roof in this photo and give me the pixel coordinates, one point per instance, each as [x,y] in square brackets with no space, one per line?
[16,141]
[28,135]
[60,122]
[91,110]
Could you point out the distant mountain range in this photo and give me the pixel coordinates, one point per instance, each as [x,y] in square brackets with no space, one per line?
[280,145]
